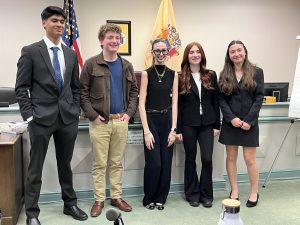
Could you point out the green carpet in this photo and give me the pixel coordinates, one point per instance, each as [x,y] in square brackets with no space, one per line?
[279,204]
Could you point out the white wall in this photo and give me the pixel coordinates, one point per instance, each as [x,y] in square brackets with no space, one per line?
[267,27]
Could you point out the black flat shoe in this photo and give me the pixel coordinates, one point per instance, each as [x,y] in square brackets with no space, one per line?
[233,198]
[159,206]
[150,206]
[251,204]
[75,212]
[194,204]
[207,203]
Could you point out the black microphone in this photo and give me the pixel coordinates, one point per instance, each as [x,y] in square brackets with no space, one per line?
[114,215]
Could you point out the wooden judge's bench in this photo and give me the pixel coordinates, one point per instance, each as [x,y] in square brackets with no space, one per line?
[11,177]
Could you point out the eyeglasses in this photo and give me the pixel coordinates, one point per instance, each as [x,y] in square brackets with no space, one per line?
[160,51]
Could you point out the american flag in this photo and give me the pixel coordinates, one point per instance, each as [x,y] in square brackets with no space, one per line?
[71,35]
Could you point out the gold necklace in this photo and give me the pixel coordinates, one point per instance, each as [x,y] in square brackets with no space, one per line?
[160,76]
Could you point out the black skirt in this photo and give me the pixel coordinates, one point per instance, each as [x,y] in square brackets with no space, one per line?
[231,135]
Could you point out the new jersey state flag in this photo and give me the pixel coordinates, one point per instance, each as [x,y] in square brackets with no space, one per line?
[165,28]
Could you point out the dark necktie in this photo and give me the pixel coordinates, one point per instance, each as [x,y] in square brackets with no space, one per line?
[56,67]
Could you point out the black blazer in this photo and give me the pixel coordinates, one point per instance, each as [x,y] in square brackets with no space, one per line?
[242,103]
[189,106]
[36,75]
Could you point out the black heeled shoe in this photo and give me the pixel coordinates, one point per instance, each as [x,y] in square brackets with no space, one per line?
[233,198]
[251,204]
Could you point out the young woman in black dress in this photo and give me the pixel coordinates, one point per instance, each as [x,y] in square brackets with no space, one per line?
[158,112]
[241,87]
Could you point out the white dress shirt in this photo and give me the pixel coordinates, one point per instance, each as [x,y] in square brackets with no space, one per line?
[196,77]
[60,55]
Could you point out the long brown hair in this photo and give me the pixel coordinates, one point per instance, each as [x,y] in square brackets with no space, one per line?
[227,76]
[185,74]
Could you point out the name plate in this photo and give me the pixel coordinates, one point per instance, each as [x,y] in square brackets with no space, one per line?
[135,137]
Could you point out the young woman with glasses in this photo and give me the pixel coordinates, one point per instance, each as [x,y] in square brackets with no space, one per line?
[158,112]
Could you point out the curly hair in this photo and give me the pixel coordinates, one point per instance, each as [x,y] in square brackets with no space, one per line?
[107,28]
[185,74]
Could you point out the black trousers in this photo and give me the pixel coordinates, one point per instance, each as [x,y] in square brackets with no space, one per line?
[158,161]
[198,189]
[64,139]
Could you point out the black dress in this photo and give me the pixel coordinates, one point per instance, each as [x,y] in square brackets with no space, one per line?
[246,106]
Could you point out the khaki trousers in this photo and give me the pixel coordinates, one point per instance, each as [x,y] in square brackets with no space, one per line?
[108,145]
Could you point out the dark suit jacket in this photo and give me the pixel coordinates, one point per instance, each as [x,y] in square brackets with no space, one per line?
[242,103]
[189,106]
[36,88]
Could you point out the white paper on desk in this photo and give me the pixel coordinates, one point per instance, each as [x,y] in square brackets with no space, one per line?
[294,109]
[13,127]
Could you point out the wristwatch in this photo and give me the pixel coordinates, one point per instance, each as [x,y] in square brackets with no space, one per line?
[174,129]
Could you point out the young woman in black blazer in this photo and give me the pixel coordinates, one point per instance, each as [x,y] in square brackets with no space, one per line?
[198,121]
[241,87]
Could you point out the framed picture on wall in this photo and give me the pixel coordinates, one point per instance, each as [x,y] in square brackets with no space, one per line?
[125,46]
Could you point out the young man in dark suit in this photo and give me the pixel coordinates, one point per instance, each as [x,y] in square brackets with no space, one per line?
[47,89]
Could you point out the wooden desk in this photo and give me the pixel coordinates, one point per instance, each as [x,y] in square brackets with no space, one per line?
[11,177]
